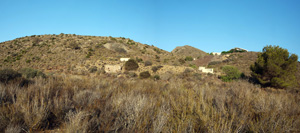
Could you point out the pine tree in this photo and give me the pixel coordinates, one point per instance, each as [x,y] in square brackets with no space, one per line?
[275,67]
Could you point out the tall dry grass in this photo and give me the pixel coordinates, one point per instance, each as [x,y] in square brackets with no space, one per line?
[110,104]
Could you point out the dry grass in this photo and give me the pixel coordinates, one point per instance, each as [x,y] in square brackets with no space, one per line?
[108,104]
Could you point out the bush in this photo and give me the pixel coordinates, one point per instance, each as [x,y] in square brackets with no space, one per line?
[188,58]
[157,50]
[138,59]
[121,50]
[144,75]
[148,63]
[156,68]
[31,73]
[193,66]
[197,76]
[231,73]
[131,65]
[132,74]
[181,61]
[156,77]
[72,44]
[89,54]
[8,74]
[275,67]
[28,61]
[93,69]
[214,63]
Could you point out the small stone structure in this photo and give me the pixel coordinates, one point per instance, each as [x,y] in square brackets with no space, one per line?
[124,59]
[112,68]
[206,70]
[216,53]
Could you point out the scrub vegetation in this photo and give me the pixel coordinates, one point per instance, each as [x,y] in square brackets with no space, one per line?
[62,83]
[111,104]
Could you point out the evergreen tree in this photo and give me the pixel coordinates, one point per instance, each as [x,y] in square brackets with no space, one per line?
[275,67]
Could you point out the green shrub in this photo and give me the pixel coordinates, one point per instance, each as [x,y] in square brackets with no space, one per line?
[181,61]
[31,73]
[157,57]
[193,66]
[131,65]
[132,74]
[72,44]
[28,61]
[144,75]
[89,54]
[148,63]
[93,69]
[231,73]
[121,50]
[138,59]
[275,67]
[188,58]
[8,74]
[214,62]
[130,42]
[156,77]
[156,68]
[197,76]
[157,50]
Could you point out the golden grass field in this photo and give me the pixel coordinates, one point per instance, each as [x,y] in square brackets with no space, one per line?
[106,103]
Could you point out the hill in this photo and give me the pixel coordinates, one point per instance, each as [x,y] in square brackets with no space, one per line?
[188,51]
[78,96]
[69,52]
[76,54]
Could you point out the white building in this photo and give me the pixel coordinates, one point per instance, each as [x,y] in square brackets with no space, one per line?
[216,53]
[124,59]
[206,70]
[240,49]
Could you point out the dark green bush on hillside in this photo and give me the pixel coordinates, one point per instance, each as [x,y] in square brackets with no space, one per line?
[275,67]
[31,73]
[214,63]
[121,50]
[72,44]
[188,58]
[181,61]
[93,69]
[156,68]
[138,59]
[231,73]
[156,77]
[131,65]
[8,74]
[144,75]
[148,63]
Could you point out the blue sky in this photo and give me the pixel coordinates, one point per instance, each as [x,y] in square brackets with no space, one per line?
[210,25]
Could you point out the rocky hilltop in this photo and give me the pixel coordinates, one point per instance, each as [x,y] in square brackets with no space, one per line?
[188,51]
[70,52]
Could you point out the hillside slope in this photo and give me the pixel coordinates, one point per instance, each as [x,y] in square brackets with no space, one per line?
[188,51]
[66,52]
